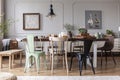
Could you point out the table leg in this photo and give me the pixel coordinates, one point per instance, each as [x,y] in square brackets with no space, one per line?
[12,59]
[95,54]
[10,62]
[20,57]
[0,62]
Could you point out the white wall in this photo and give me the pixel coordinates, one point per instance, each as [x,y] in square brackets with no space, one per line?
[67,11]
[1,10]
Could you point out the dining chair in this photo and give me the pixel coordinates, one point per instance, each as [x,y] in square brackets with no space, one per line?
[39,44]
[61,50]
[32,55]
[106,49]
[77,46]
[82,56]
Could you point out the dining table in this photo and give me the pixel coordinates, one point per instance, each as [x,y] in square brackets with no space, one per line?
[73,39]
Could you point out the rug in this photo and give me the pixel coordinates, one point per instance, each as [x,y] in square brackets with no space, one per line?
[68,77]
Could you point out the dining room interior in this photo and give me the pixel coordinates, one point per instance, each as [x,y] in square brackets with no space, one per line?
[59,38]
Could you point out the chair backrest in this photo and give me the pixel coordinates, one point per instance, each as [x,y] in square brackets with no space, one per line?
[13,44]
[57,38]
[109,44]
[87,45]
[57,41]
[39,44]
[30,43]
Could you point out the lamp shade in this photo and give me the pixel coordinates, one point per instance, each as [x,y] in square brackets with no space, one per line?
[51,13]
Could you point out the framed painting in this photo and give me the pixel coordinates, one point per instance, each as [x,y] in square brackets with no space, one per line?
[31,21]
[93,19]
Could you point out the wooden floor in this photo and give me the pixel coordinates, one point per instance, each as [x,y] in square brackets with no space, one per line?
[109,70]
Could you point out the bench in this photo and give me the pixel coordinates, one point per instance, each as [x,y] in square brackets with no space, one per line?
[10,54]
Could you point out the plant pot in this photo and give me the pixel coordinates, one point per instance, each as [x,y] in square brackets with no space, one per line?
[69,34]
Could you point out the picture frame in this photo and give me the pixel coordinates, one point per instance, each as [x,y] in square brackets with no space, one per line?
[31,21]
[93,19]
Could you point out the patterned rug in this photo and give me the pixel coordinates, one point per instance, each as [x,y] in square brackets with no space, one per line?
[68,77]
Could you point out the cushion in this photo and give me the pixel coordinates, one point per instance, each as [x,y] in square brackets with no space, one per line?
[7,76]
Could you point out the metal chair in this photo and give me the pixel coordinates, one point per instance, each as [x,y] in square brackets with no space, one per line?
[32,54]
[78,46]
[82,56]
[108,46]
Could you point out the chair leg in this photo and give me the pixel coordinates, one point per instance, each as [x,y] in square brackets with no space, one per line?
[80,66]
[84,61]
[45,61]
[71,63]
[63,61]
[52,63]
[27,64]
[80,62]
[50,60]
[66,61]
[38,64]
[113,58]
[106,57]
[101,57]
[91,64]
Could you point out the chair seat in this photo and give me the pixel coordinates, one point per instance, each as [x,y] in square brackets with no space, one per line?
[37,53]
[106,49]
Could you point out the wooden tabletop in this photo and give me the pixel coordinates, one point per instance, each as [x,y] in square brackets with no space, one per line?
[70,39]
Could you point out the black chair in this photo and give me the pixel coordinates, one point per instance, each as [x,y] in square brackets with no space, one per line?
[106,49]
[77,46]
[81,56]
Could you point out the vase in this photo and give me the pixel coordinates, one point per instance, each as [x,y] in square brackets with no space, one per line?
[70,34]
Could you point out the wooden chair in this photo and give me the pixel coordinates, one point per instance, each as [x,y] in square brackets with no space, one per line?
[39,45]
[106,49]
[59,51]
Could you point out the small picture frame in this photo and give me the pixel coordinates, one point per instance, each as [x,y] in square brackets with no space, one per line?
[93,19]
[31,21]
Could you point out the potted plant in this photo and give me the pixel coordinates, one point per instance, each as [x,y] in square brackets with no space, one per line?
[109,32]
[69,29]
[82,30]
[4,28]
